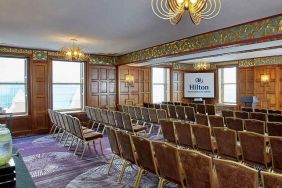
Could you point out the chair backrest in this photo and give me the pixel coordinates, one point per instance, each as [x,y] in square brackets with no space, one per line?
[274,118]
[202,135]
[234,175]
[167,127]
[93,114]
[227,113]
[254,125]
[261,110]
[270,111]
[258,116]
[113,140]
[190,113]
[151,105]
[161,114]
[104,115]
[125,109]
[184,134]
[153,115]
[172,111]
[143,149]
[77,127]
[184,104]
[87,111]
[197,168]
[202,119]
[201,108]
[194,105]
[180,110]
[111,118]
[98,115]
[253,147]
[158,106]
[132,113]
[165,107]
[71,125]
[65,120]
[274,128]
[271,180]
[127,122]
[226,140]
[146,105]
[119,121]
[210,109]
[167,161]
[236,124]
[242,115]
[216,121]
[276,153]
[50,113]
[145,114]
[125,146]
[119,108]
[247,109]
[138,113]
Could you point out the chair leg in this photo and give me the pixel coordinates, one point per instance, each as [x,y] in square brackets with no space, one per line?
[122,171]
[53,134]
[93,124]
[111,164]
[138,178]
[84,147]
[161,183]
[58,134]
[78,142]
[159,131]
[101,146]
[98,127]
[66,139]
[151,128]
[103,130]
[51,130]
[94,146]
[71,142]
[63,134]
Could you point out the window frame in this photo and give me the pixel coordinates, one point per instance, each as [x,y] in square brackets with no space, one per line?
[222,84]
[166,83]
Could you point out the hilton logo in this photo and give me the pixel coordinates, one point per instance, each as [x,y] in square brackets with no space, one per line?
[198,85]
[199,80]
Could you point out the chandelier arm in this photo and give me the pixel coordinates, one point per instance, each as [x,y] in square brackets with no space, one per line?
[158,12]
[215,11]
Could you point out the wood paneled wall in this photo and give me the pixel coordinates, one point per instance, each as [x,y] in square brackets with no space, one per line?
[101,86]
[140,92]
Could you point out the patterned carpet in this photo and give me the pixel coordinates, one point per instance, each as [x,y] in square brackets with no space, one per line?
[52,165]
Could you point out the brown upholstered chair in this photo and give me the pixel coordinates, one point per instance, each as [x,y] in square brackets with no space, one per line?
[184,134]
[226,140]
[261,110]
[161,114]
[167,127]
[201,109]
[126,150]
[153,119]
[118,118]
[144,159]
[234,175]
[180,110]
[254,148]
[172,112]
[203,139]
[119,107]
[242,115]
[210,108]
[276,153]
[138,113]
[258,116]
[247,109]
[128,125]
[274,118]
[146,117]
[271,180]
[235,123]
[270,111]
[194,105]
[274,128]
[197,168]
[202,119]
[255,126]
[190,114]
[167,163]
[216,121]
[227,113]
[111,118]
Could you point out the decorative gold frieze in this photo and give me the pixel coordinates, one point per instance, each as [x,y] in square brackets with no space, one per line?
[188,67]
[10,50]
[39,55]
[260,61]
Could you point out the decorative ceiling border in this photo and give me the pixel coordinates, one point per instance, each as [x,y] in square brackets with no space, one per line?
[188,67]
[12,50]
[259,29]
[273,60]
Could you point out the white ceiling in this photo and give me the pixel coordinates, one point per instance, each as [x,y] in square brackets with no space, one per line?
[111,26]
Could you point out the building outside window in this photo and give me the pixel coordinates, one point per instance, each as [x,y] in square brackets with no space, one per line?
[227,78]
[160,84]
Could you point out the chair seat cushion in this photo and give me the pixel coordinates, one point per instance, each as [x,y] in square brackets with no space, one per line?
[92,135]
[86,131]
[138,128]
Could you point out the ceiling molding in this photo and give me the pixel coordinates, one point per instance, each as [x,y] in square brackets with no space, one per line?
[274,60]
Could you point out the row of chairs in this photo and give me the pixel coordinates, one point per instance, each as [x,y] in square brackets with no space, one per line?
[252,115]
[64,124]
[238,124]
[251,148]
[262,110]
[187,168]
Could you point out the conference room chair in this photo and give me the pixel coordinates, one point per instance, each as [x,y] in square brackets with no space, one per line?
[274,128]
[168,164]
[210,108]
[260,110]
[242,115]
[119,121]
[254,149]
[158,106]
[146,105]
[256,126]
[234,175]
[98,117]
[184,104]
[153,119]
[197,168]
[105,120]
[216,121]
[165,107]
[227,113]
[227,146]
[177,103]
[126,150]
[170,103]
[201,109]
[180,110]
[111,118]
[276,153]
[270,111]
[258,116]
[112,137]
[67,130]
[202,119]
[144,157]
[203,138]
[62,129]
[146,118]
[93,117]
[172,112]
[72,130]
[194,105]
[247,109]
[128,126]
[132,114]
[190,114]
[271,180]
[274,118]
[167,127]
[162,114]
[184,134]
[151,105]
[119,108]
[138,113]
[234,123]
[125,109]
[53,121]
[88,114]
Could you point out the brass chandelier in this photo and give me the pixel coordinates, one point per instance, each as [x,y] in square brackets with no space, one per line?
[74,53]
[173,10]
[202,66]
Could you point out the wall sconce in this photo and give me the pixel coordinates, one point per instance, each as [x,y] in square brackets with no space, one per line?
[264,78]
[129,80]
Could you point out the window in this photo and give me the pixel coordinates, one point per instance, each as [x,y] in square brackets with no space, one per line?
[68,85]
[160,83]
[13,85]
[227,78]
